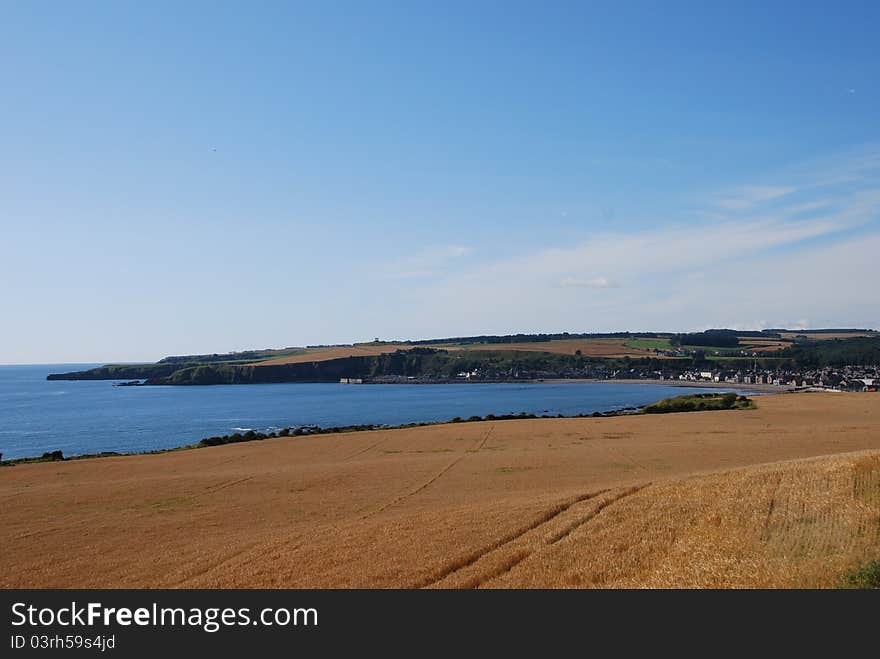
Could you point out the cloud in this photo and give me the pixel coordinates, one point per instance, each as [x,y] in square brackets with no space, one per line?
[672,248]
[789,251]
[829,284]
[750,196]
[428,262]
[598,282]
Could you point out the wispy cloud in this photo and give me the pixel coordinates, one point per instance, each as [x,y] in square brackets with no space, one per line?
[669,249]
[598,282]
[428,262]
[782,252]
[750,196]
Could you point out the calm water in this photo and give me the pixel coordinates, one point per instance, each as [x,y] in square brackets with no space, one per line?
[90,417]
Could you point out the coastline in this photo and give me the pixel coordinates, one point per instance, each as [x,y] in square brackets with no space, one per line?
[763,388]
[312,430]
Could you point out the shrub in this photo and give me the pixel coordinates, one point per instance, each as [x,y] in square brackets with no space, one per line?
[865,577]
[699,402]
[728,399]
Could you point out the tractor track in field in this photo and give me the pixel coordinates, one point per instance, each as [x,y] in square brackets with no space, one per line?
[535,527]
[765,528]
[432,479]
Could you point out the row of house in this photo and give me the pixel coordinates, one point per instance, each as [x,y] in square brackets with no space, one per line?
[851,379]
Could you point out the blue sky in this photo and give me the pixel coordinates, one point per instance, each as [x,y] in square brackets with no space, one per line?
[223,176]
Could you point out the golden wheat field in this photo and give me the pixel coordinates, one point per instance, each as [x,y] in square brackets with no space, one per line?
[786,495]
[588,348]
[763,345]
[306,355]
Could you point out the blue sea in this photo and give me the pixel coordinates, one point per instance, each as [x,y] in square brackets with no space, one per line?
[37,415]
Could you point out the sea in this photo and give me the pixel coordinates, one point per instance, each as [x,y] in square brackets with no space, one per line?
[37,415]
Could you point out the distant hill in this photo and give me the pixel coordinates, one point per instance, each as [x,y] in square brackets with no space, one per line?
[501,356]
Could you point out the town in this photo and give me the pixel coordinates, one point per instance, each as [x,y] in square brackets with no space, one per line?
[845,378]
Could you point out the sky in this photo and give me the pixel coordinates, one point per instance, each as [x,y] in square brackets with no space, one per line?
[180,178]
